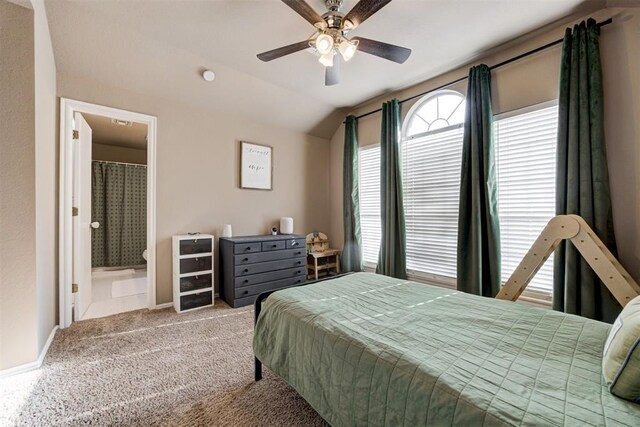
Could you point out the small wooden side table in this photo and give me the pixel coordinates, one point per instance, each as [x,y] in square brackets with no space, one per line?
[326,263]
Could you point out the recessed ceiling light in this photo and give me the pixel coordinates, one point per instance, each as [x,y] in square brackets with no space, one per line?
[208,75]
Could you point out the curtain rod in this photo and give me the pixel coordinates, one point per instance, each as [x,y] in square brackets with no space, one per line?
[119,163]
[500,64]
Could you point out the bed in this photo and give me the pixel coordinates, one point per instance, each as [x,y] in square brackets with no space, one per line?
[365,349]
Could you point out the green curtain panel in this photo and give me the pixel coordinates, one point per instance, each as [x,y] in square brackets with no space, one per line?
[392,260]
[478,227]
[119,204]
[582,183]
[351,252]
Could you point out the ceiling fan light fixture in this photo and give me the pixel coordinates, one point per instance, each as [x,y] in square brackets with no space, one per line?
[326,59]
[347,48]
[330,36]
[324,44]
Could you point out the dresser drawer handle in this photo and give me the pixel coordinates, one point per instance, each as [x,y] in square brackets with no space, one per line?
[245,260]
[298,272]
[298,253]
[245,292]
[299,262]
[246,280]
[248,248]
[246,270]
[299,281]
[294,243]
[274,246]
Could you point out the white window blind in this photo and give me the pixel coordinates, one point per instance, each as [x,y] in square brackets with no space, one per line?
[431,158]
[525,144]
[431,181]
[370,203]
[526,164]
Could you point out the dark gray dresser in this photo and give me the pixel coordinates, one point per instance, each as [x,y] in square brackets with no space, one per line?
[250,265]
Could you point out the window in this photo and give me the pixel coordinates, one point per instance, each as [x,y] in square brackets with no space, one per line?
[525,144]
[526,168]
[431,158]
[370,203]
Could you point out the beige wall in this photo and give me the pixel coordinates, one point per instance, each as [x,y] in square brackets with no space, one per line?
[197,178]
[620,53]
[28,248]
[535,80]
[18,308]
[46,176]
[114,153]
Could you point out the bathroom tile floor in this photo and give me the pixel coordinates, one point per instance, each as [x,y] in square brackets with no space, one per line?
[102,303]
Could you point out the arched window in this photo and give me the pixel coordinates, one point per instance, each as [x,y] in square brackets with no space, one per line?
[431,149]
[431,157]
[437,111]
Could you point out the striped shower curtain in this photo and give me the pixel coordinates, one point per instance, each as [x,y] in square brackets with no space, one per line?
[119,204]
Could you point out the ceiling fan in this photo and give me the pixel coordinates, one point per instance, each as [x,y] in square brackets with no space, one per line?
[330,40]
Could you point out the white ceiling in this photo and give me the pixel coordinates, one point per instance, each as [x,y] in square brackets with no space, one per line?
[104,131]
[159,46]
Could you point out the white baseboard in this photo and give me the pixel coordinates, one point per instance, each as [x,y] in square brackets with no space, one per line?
[31,365]
[161,306]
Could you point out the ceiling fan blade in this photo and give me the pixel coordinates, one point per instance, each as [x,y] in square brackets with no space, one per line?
[283,51]
[364,9]
[383,50]
[303,9]
[332,74]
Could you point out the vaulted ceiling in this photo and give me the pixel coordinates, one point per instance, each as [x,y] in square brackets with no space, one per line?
[158,47]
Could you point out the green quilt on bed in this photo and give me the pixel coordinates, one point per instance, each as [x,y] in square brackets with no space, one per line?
[368,350]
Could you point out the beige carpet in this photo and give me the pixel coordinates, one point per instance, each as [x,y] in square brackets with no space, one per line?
[154,368]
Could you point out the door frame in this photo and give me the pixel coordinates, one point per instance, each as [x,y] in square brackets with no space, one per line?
[68,107]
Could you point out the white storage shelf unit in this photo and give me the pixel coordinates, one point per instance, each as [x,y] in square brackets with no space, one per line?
[192,272]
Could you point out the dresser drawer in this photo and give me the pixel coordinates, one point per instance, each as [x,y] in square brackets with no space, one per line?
[191,265]
[187,302]
[273,246]
[192,271]
[243,302]
[256,290]
[195,246]
[267,256]
[191,283]
[244,270]
[245,248]
[254,279]
[253,264]
[296,243]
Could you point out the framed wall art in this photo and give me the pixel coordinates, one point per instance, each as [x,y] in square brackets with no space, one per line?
[256,166]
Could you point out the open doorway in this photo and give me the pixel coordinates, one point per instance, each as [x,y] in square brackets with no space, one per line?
[117,189]
[107,212]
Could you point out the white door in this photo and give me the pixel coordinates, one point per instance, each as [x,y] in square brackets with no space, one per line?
[82,221]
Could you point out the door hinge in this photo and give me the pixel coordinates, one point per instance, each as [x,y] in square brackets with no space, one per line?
[74,211]
[74,288]
[76,134]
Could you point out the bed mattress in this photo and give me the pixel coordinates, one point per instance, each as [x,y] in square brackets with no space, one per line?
[369,350]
